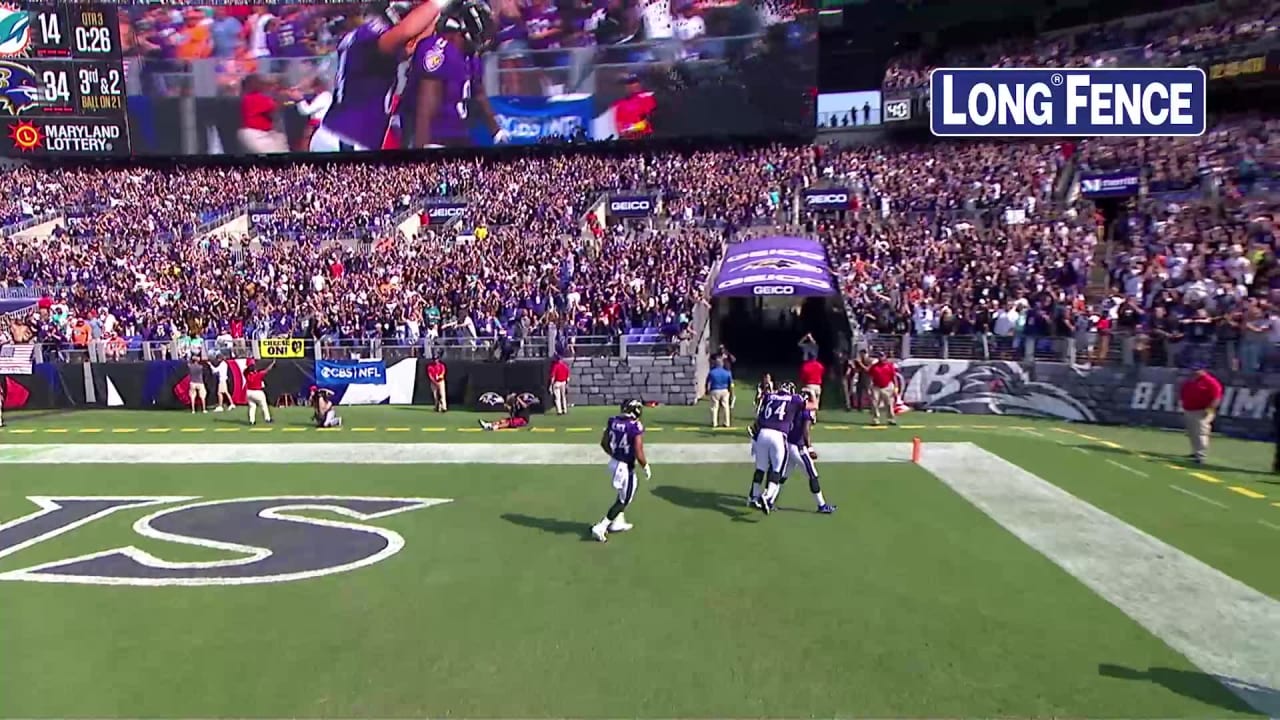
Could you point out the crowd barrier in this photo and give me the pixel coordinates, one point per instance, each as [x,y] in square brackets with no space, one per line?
[166,384]
[1115,395]
[1108,395]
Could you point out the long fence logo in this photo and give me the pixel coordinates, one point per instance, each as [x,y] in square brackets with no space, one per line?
[1028,102]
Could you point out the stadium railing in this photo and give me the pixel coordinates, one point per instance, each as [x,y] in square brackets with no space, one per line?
[570,68]
[30,222]
[1116,349]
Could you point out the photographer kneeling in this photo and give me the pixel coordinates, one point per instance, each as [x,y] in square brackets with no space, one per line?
[323,410]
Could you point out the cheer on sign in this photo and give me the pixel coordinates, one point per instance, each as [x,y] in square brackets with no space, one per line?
[1072,102]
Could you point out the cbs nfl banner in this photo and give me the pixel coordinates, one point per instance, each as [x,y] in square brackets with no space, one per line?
[359,372]
[632,205]
[827,200]
[1109,185]
[531,120]
[1030,102]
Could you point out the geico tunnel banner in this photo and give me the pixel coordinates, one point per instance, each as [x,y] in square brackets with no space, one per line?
[827,200]
[1111,184]
[330,373]
[632,205]
[530,120]
[441,213]
[775,266]
[1108,395]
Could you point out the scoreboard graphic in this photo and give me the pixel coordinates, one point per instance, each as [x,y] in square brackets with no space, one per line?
[62,81]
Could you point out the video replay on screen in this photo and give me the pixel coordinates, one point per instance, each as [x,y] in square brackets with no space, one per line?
[335,77]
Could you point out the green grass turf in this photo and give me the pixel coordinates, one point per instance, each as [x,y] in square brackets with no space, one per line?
[906,603]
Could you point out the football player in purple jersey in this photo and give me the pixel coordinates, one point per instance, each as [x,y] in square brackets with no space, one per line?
[623,442]
[373,66]
[774,422]
[445,89]
[800,452]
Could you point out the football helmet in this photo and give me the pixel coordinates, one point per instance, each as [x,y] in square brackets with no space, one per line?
[473,19]
[787,387]
[632,408]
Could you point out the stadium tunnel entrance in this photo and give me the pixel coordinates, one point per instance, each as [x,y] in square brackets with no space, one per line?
[764,333]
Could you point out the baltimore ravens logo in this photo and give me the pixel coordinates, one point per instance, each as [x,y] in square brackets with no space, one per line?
[18,89]
[770,264]
[529,399]
[490,398]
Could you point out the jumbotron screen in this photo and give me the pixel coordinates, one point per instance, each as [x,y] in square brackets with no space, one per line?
[349,77]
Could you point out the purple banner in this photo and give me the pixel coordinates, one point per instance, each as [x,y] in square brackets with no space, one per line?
[776,266]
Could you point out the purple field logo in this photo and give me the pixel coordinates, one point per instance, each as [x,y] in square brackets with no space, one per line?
[267,537]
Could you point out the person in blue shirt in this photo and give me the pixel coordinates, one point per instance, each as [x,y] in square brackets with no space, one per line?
[720,390]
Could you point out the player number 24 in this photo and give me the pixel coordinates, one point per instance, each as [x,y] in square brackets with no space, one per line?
[619,442]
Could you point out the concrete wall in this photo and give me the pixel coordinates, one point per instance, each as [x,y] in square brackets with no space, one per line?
[236,226]
[41,231]
[610,380]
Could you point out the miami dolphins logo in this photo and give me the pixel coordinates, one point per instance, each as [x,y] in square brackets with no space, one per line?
[15,31]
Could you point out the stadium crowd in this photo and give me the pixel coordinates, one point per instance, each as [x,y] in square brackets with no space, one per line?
[944,239]
[1157,40]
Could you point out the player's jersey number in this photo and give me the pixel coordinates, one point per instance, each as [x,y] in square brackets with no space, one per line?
[619,443]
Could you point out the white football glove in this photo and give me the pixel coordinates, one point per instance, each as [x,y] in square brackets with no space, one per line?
[648,473]
[501,137]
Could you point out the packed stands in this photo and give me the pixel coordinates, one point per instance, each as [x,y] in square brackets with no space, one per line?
[1163,39]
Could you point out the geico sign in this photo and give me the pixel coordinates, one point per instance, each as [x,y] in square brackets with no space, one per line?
[629,205]
[828,199]
[759,280]
[773,290]
[437,212]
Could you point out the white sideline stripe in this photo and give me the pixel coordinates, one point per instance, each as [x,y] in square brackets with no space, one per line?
[1223,626]
[1198,496]
[660,454]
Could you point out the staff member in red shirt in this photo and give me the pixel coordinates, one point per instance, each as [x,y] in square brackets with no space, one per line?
[1201,393]
[435,374]
[255,390]
[811,373]
[258,134]
[631,113]
[560,384]
[883,375]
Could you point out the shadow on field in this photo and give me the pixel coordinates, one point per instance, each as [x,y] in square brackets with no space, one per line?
[1183,460]
[550,525]
[1202,687]
[731,506]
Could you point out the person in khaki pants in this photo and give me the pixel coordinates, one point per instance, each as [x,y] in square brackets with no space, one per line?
[883,374]
[1200,394]
[720,390]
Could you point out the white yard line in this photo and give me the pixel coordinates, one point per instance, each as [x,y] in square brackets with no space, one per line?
[1198,496]
[660,454]
[1226,628]
[1126,468]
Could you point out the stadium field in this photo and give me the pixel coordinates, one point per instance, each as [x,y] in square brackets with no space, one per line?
[419,568]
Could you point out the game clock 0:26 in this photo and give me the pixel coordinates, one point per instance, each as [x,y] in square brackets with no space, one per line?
[62,82]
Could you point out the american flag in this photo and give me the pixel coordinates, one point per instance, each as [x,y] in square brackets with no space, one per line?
[16,359]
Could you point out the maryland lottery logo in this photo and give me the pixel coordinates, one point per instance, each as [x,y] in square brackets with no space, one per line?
[26,136]
[15,31]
